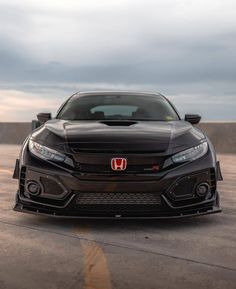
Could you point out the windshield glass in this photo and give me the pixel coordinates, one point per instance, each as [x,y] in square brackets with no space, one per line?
[118,107]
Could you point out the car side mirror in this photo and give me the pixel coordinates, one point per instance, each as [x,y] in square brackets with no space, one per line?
[192,118]
[44,117]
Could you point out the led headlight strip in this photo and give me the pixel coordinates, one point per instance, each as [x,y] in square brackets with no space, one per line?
[191,154]
[46,153]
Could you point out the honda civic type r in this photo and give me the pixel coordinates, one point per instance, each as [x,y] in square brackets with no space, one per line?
[117,154]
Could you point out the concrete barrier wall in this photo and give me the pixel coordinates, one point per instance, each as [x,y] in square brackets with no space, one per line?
[222,134]
[14,133]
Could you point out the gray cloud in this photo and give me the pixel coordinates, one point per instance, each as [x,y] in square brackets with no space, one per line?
[176,47]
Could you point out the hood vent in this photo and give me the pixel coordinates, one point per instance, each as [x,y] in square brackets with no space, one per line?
[118,122]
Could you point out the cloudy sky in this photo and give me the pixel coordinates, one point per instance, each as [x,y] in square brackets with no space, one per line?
[182,48]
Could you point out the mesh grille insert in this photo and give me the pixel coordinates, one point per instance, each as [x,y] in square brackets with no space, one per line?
[104,198]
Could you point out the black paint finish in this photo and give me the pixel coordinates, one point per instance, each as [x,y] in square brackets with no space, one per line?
[150,174]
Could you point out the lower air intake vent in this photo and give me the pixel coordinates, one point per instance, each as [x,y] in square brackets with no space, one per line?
[51,187]
[118,198]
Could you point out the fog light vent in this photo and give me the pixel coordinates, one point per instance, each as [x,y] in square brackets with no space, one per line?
[51,186]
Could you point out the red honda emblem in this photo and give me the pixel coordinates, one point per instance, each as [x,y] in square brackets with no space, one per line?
[118,164]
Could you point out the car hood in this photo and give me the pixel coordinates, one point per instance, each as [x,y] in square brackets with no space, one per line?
[143,136]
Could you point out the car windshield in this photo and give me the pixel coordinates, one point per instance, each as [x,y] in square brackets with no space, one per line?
[118,107]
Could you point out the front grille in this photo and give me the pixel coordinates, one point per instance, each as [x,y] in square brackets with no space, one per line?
[97,198]
[101,163]
[125,204]
[94,168]
[116,147]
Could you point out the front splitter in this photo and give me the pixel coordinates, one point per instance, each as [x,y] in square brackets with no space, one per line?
[31,210]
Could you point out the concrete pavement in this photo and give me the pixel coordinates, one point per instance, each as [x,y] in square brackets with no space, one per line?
[40,252]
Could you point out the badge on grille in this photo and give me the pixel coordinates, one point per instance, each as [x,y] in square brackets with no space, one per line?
[118,164]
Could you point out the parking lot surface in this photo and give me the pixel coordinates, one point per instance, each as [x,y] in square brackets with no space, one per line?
[41,252]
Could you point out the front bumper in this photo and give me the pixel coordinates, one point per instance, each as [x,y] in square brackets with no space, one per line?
[173,192]
[180,213]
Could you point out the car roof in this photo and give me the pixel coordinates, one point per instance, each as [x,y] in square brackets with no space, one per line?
[116,92]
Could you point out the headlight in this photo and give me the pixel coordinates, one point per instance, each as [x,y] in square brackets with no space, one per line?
[192,154]
[46,153]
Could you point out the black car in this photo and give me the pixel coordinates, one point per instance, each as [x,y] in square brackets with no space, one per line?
[117,154]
